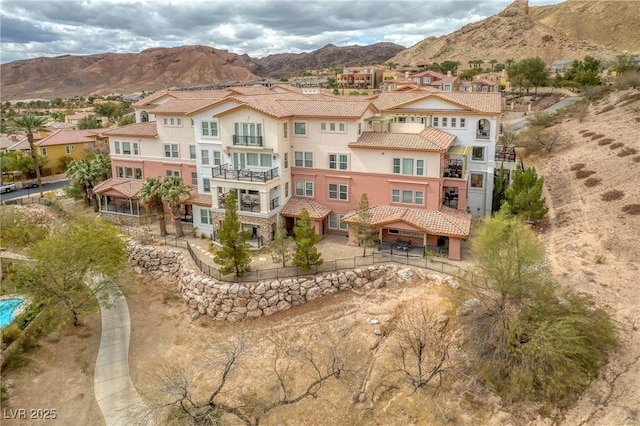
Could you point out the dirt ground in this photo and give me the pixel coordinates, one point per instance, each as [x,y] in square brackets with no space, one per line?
[592,246]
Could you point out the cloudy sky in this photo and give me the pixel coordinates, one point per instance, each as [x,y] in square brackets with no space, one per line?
[34,28]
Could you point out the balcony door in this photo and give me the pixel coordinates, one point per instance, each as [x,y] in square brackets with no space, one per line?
[239,161]
[248,133]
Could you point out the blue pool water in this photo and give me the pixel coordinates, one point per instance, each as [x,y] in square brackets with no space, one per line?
[7,308]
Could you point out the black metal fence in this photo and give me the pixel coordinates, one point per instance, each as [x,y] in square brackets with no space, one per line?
[27,200]
[372,259]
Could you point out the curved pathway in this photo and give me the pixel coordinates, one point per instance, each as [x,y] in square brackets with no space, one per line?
[120,402]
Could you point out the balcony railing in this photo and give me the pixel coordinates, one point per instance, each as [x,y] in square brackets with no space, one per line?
[226,171]
[453,169]
[507,155]
[482,134]
[247,140]
[274,203]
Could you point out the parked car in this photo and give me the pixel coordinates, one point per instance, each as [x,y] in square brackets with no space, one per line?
[29,184]
[9,187]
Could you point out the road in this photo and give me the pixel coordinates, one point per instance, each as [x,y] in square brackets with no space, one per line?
[522,122]
[46,187]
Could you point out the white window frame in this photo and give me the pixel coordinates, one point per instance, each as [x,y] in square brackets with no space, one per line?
[173,149]
[473,184]
[209,129]
[172,173]
[205,217]
[67,149]
[192,152]
[300,131]
[335,222]
[116,147]
[463,122]
[339,161]
[206,185]
[444,122]
[435,122]
[217,158]
[286,160]
[285,130]
[338,191]
[473,153]
[204,157]
[194,178]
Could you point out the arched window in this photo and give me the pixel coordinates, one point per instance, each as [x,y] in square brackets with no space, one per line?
[484,129]
[144,116]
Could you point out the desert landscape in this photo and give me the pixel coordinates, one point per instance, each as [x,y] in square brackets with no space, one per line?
[591,236]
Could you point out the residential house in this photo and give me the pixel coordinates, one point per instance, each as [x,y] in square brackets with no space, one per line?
[425,158]
[367,77]
[65,145]
[560,66]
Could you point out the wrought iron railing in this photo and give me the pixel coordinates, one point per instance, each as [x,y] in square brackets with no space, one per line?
[247,140]
[226,171]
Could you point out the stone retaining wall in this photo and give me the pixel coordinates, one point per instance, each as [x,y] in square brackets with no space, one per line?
[238,301]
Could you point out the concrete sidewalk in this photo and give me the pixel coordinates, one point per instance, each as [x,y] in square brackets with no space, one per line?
[120,402]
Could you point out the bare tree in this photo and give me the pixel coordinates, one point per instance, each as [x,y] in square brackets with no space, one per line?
[536,138]
[421,349]
[296,373]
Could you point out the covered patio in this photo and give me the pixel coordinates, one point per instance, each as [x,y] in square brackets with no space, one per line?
[317,212]
[118,201]
[415,232]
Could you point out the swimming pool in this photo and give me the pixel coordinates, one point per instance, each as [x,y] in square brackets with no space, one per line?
[8,307]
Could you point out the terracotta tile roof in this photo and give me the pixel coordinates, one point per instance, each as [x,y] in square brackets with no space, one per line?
[147,129]
[429,139]
[326,108]
[149,99]
[118,186]
[185,106]
[479,102]
[69,136]
[295,205]
[448,222]
[203,200]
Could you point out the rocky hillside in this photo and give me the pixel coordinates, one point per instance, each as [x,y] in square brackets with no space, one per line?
[152,69]
[566,30]
[288,64]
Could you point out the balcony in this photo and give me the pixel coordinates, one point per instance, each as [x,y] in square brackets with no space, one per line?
[453,169]
[247,140]
[482,134]
[226,171]
[250,202]
[506,154]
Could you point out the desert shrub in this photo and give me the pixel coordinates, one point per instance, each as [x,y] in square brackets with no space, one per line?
[598,136]
[638,119]
[606,109]
[633,209]
[616,145]
[592,181]
[627,151]
[582,131]
[612,195]
[581,174]
[605,141]
[577,166]
[636,159]
[9,334]
[629,99]
[588,134]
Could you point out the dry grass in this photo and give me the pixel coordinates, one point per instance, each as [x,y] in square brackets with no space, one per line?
[588,134]
[616,145]
[612,195]
[577,166]
[598,136]
[627,151]
[606,141]
[582,131]
[592,181]
[633,209]
[581,174]
[605,109]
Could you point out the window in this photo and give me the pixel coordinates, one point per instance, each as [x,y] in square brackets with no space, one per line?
[303,159]
[204,154]
[420,167]
[342,127]
[338,192]
[444,121]
[396,165]
[426,80]
[478,153]
[217,158]
[407,197]
[447,87]
[335,222]
[192,152]
[463,122]
[407,166]
[126,148]
[174,173]
[67,149]
[359,128]
[477,180]
[286,189]
[209,129]
[298,159]
[285,130]
[205,217]
[44,151]
[171,150]
[129,172]
[194,178]
[300,128]
[323,126]
[304,189]
[206,185]
[286,160]
[116,146]
[338,161]
[252,131]
[308,159]
[172,121]
[435,122]
[453,122]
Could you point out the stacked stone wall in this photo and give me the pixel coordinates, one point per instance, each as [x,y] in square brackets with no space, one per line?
[238,301]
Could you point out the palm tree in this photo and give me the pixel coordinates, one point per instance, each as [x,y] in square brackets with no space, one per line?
[151,196]
[102,163]
[173,190]
[86,174]
[30,124]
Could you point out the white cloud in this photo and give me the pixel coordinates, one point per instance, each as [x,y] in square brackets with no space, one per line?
[33,28]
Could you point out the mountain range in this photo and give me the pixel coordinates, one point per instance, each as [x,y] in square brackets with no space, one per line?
[568,30]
